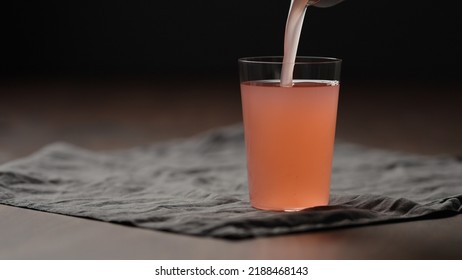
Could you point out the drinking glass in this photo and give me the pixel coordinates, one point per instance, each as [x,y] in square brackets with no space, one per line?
[289,131]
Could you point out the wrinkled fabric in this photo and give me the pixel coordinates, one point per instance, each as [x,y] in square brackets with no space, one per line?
[198,186]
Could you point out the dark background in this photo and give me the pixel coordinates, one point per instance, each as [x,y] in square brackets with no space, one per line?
[378,40]
[112,74]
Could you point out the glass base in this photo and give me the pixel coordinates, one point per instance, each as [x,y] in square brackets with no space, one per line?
[289,209]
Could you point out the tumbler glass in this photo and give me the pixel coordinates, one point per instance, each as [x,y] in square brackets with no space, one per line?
[289,131]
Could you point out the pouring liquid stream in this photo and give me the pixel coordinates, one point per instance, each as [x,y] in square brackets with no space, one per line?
[292,37]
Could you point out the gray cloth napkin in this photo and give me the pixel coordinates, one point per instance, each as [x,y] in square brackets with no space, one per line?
[198,186]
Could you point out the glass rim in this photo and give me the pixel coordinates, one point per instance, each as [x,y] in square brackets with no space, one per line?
[298,60]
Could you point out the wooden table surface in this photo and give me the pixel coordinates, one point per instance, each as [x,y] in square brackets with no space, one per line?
[411,117]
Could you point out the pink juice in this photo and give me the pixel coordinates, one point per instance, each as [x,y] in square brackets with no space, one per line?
[289,134]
